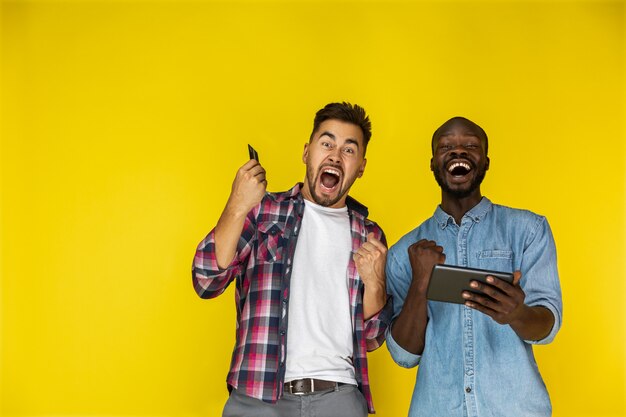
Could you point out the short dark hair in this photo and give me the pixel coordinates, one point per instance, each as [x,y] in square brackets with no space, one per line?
[346,112]
[458,120]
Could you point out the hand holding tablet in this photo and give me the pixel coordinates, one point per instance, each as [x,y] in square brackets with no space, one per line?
[448,282]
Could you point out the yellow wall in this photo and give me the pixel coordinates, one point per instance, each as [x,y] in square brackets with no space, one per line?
[123,124]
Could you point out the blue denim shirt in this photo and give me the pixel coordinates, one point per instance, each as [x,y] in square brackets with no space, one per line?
[471,365]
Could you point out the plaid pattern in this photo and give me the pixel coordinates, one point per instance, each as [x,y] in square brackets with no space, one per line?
[262,270]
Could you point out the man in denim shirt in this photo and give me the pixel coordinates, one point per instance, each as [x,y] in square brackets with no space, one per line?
[475,359]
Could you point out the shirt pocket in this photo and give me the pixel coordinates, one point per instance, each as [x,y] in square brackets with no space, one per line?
[271,240]
[496,260]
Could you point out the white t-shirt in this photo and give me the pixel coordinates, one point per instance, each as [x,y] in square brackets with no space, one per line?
[319,335]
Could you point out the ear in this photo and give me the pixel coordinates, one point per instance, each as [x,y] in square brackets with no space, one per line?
[432,168]
[487,165]
[362,168]
[305,153]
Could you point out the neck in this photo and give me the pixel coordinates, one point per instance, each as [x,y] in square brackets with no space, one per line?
[457,207]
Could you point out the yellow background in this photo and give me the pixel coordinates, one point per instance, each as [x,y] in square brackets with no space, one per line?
[123,124]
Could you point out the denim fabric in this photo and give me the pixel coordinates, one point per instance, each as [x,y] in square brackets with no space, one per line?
[471,365]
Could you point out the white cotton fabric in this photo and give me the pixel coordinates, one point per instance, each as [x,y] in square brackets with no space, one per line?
[319,336]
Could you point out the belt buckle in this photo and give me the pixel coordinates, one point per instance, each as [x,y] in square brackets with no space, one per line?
[302,393]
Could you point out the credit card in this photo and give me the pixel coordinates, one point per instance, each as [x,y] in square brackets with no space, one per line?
[253,154]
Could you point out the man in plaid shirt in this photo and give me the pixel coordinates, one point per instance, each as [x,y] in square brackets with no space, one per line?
[310,258]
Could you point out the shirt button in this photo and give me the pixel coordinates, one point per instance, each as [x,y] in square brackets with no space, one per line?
[468,389]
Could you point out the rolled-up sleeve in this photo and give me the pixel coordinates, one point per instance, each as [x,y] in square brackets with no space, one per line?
[376,326]
[209,280]
[540,277]
[401,356]
[398,281]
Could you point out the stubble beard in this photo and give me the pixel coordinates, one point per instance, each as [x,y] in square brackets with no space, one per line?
[320,199]
[459,193]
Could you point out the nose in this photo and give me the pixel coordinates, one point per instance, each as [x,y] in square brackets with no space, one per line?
[335,155]
[458,150]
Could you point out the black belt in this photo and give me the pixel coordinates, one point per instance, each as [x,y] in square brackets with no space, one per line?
[309,386]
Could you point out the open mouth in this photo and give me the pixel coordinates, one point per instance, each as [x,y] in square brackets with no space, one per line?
[330,178]
[459,169]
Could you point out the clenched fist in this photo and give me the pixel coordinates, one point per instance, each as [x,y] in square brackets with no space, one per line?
[248,187]
[370,261]
[424,255]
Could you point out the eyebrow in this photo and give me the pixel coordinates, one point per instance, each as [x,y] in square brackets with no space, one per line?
[333,137]
[469,133]
[353,141]
[330,135]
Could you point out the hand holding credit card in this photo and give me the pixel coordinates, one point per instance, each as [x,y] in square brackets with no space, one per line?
[249,185]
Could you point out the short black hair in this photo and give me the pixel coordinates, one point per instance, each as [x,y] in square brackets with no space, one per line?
[346,112]
[458,120]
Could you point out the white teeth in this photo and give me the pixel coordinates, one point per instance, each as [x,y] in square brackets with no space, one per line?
[331,171]
[459,164]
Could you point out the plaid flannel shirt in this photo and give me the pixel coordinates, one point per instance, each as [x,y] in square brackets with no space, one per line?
[262,270]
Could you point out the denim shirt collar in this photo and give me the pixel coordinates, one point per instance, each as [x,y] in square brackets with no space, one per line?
[476,213]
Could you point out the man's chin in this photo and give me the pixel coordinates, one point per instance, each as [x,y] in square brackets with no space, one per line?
[326,200]
[460,190]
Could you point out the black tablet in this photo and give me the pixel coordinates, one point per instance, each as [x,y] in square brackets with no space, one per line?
[448,282]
